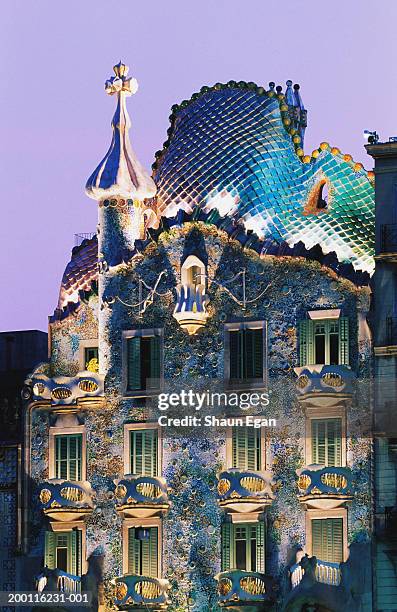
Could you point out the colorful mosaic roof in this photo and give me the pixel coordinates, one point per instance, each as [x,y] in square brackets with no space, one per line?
[238,148]
[80,272]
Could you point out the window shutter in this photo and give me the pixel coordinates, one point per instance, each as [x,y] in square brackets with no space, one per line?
[344,341]
[327,539]
[235,350]
[154,362]
[61,457]
[75,451]
[134,363]
[253,353]
[327,441]
[226,546]
[144,452]
[49,550]
[318,441]
[246,448]
[306,342]
[133,553]
[136,452]
[150,554]
[72,552]
[260,547]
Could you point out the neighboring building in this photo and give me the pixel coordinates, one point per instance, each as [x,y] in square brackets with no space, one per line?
[20,352]
[384,325]
[246,263]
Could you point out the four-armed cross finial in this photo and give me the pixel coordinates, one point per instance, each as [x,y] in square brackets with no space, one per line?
[120,82]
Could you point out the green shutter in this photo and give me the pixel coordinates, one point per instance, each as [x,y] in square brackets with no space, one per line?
[253,353]
[143,554]
[327,442]
[150,554]
[72,551]
[68,457]
[226,546]
[246,448]
[134,566]
[143,444]
[49,552]
[306,342]
[260,547]
[236,354]
[327,539]
[154,374]
[134,363]
[344,341]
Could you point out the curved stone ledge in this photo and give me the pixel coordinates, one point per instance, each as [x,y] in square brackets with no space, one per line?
[244,491]
[141,496]
[65,390]
[324,487]
[141,592]
[239,587]
[66,500]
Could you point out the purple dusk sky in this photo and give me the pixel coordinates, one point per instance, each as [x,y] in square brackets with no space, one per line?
[55,117]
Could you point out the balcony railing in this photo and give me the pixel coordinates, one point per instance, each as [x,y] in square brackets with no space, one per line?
[66,500]
[239,586]
[324,487]
[141,496]
[388,238]
[59,581]
[190,310]
[325,573]
[141,591]
[244,491]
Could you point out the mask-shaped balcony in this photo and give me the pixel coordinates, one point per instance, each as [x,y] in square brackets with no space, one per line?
[241,491]
[65,500]
[324,385]
[324,487]
[248,591]
[57,580]
[64,391]
[141,593]
[141,496]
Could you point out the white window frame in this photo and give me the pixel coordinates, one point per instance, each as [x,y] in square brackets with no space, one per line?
[65,431]
[59,526]
[143,522]
[312,514]
[336,412]
[93,343]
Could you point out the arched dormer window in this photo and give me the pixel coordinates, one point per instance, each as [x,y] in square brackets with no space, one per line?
[190,310]
[319,198]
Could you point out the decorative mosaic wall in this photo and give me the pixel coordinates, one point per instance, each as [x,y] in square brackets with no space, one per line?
[191,529]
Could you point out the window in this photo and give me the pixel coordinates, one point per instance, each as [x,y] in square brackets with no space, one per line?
[246,352]
[143,452]
[243,546]
[143,551]
[90,352]
[63,551]
[143,362]
[68,456]
[326,437]
[327,539]
[246,448]
[324,341]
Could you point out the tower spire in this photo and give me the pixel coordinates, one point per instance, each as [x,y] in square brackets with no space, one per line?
[120,174]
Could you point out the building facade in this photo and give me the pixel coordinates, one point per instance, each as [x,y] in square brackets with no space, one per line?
[241,267]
